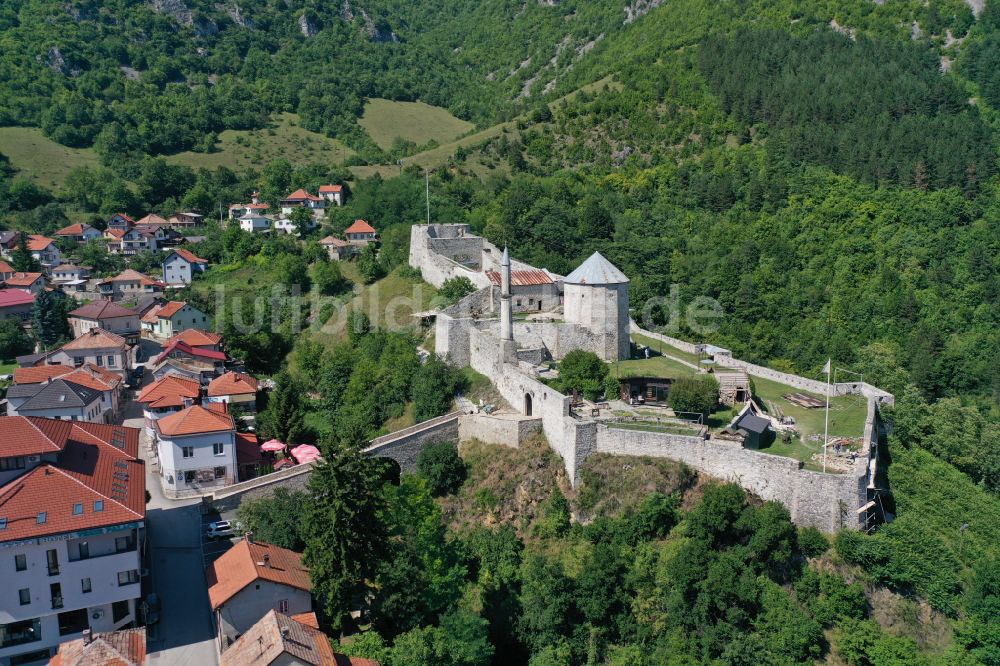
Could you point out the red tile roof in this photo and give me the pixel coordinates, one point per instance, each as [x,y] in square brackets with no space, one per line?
[244,563]
[323,189]
[334,241]
[277,639]
[124,217]
[126,647]
[37,242]
[152,218]
[247,449]
[232,383]
[23,279]
[32,435]
[309,619]
[360,227]
[95,338]
[189,256]
[169,309]
[170,391]
[301,195]
[132,275]
[117,234]
[74,229]
[42,373]
[6,268]
[195,338]
[89,377]
[522,278]
[187,349]
[102,310]
[12,297]
[194,420]
[97,463]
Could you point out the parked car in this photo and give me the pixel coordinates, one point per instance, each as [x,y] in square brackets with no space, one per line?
[220,529]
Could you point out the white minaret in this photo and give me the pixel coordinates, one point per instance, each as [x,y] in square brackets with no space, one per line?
[506,324]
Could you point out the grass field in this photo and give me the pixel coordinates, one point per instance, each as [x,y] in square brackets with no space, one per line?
[664,348]
[41,159]
[385,120]
[241,149]
[657,366]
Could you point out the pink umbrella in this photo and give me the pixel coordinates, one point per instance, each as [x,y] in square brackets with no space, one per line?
[305,453]
[272,445]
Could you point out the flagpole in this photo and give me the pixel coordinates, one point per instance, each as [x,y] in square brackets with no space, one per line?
[826,425]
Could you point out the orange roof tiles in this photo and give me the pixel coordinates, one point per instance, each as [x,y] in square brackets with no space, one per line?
[37,243]
[170,391]
[300,195]
[170,308]
[102,310]
[6,268]
[32,435]
[117,234]
[323,189]
[334,241]
[132,275]
[244,563]
[95,338]
[232,383]
[152,218]
[195,338]
[23,279]
[522,278]
[194,420]
[73,229]
[360,227]
[277,638]
[39,374]
[189,256]
[126,647]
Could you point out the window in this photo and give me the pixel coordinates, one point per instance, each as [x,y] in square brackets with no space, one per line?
[73,622]
[100,360]
[8,464]
[189,476]
[282,605]
[187,451]
[77,508]
[124,543]
[18,633]
[42,517]
[55,589]
[219,449]
[111,361]
[119,611]
[83,549]
[52,559]
[20,562]
[220,472]
[24,595]
[98,505]
[128,577]
[85,585]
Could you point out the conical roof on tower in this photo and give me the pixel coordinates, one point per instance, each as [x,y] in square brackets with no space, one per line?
[596,270]
[505,259]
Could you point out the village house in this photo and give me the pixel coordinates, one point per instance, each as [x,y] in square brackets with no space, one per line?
[181,266]
[182,221]
[100,379]
[252,579]
[165,236]
[17,304]
[317,205]
[61,398]
[120,221]
[151,219]
[126,647]
[332,193]
[72,512]
[281,639]
[286,226]
[129,284]
[337,249]
[138,240]
[107,315]
[196,448]
[360,233]
[173,317]
[8,241]
[255,207]
[254,223]
[166,396]
[235,388]
[81,233]
[179,358]
[197,338]
[6,270]
[30,283]
[43,250]
[70,277]
[103,349]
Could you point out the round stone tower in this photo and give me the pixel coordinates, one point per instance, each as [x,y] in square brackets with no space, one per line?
[595,296]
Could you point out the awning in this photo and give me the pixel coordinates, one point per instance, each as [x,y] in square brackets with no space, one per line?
[305,453]
[272,445]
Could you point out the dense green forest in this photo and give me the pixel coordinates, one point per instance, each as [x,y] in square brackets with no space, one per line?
[827,171]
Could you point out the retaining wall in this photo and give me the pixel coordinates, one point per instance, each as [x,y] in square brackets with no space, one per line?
[510,432]
[293,478]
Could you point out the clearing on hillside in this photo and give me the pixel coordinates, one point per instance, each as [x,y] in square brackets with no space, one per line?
[241,149]
[384,120]
[40,158]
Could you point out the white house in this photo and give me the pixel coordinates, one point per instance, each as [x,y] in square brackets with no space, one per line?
[286,226]
[31,283]
[332,193]
[107,315]
[181,265]
[166,396]
[120,221]
[108,383]
[235,388]
[66,398]
[129,284]
[99,347]
[360,233]
[317,205]
[72,512]
[252,579]
[254,223]
[173,317]
[196,448]
[44,251]
[139,239]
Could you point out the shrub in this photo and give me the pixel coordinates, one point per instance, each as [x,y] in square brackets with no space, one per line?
[812,542]
[696,394]
[441,465]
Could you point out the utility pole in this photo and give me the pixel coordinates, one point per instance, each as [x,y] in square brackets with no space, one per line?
[826,426]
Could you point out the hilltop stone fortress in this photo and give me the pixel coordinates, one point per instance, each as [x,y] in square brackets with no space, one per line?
[521,316]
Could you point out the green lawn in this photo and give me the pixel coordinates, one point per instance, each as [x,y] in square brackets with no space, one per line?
[664,348]
[657,366]
[8,368]
[385,120]
[847,413]
[41,159]
[284,138]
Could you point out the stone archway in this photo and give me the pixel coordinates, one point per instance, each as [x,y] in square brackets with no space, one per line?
[527,404]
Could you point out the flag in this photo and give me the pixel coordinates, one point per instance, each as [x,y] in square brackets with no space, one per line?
[826,368]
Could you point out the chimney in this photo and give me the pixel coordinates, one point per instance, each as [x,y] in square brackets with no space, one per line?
[284,632]
[267,560]
[87,636]
[248,537]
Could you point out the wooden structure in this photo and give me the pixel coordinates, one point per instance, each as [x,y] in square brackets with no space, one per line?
[645,390]
[734,387]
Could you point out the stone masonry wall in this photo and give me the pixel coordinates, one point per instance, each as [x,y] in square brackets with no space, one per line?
[405,445]
[496,429]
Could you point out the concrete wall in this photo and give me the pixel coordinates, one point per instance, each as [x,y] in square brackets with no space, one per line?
[405,445]
[505,431]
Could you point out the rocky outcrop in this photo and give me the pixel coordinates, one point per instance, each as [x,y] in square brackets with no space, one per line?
[307,26]
[639,8]
[205,27]
[174,8]
[235,15]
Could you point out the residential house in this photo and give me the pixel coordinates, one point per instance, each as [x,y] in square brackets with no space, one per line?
[278,638]
[107,315]
[165,236]
[197,338]
[252,579]
[181,221]
[30,283]
[138,240]
[286,226]
[79,232]
[337,249]
[72,510]
[146,303]
[100,347]
[60,398]
[44,250]
[8,241]
[6,270]
[236,388]
[179,358]
[332,193]
[181,266]
[360,233]
[126,647]
[152,219]
[113,238]
[129,284]
[254,223]
[100,379]
[70,278]
[16,303]
[166,396]
[317,205]
[120,221]
[196,448]
[173,317]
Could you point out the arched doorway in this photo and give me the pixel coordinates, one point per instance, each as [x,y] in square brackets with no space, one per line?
[527,404]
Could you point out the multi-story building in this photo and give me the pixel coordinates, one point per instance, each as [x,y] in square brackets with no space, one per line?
[167,396]
[72,512]
[196,448]
[130,284]
[79,232]
[181,266]
[107,315]
[173,317]
[99,347]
